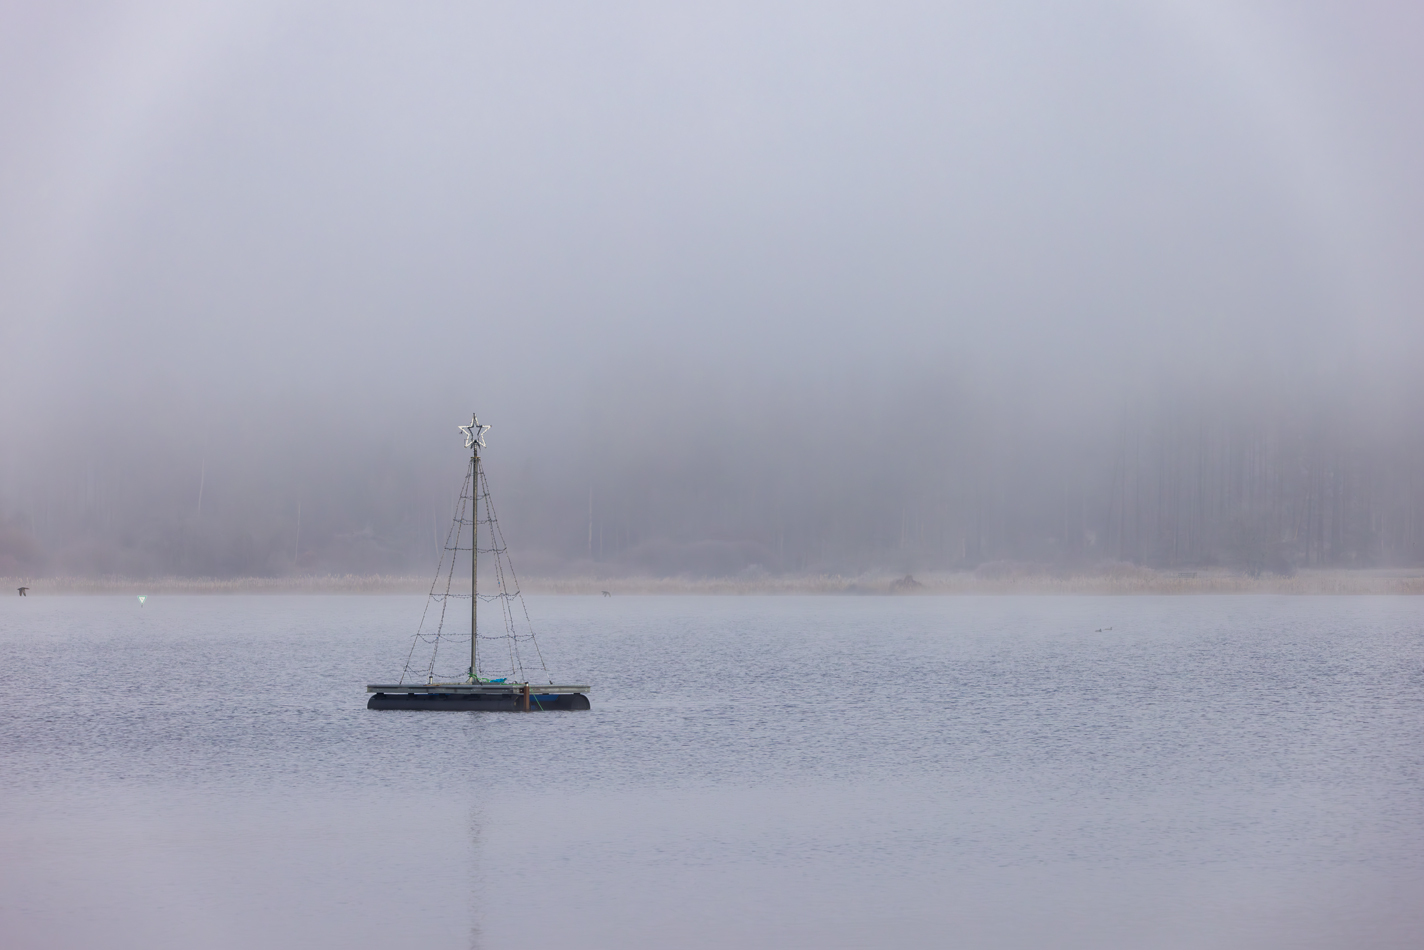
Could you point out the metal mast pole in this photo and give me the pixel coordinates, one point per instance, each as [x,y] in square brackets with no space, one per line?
[474,441]
[474,560]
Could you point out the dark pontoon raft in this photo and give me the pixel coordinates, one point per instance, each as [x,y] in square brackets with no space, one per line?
[489,697]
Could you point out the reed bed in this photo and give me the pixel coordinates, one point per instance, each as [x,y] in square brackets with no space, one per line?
[1126,581]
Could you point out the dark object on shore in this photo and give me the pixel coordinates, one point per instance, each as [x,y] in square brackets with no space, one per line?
[24,591]
[607,594]
[906,583]
[486,697]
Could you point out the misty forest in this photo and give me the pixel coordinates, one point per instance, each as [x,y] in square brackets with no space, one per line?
[924,477]
[864,295]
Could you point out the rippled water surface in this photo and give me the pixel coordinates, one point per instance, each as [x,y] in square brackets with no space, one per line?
[756,772]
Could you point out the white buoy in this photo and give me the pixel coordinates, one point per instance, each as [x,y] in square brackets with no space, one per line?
[141,599]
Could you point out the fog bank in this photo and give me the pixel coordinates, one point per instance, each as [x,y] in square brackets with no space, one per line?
[786,288]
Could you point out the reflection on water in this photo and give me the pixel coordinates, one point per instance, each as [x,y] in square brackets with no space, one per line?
[837,772]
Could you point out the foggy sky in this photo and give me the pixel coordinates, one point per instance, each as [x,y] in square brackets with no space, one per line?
[280,251]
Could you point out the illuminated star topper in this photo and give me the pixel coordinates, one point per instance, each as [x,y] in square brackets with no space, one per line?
[474,432]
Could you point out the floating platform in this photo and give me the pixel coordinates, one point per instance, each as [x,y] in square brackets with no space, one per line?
[485,697]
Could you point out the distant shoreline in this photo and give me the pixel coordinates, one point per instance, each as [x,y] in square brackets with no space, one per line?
[1128,581]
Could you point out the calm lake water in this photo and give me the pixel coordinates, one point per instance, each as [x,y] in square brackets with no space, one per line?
[995,772]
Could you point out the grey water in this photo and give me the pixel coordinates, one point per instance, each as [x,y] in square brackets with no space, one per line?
[996,772]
